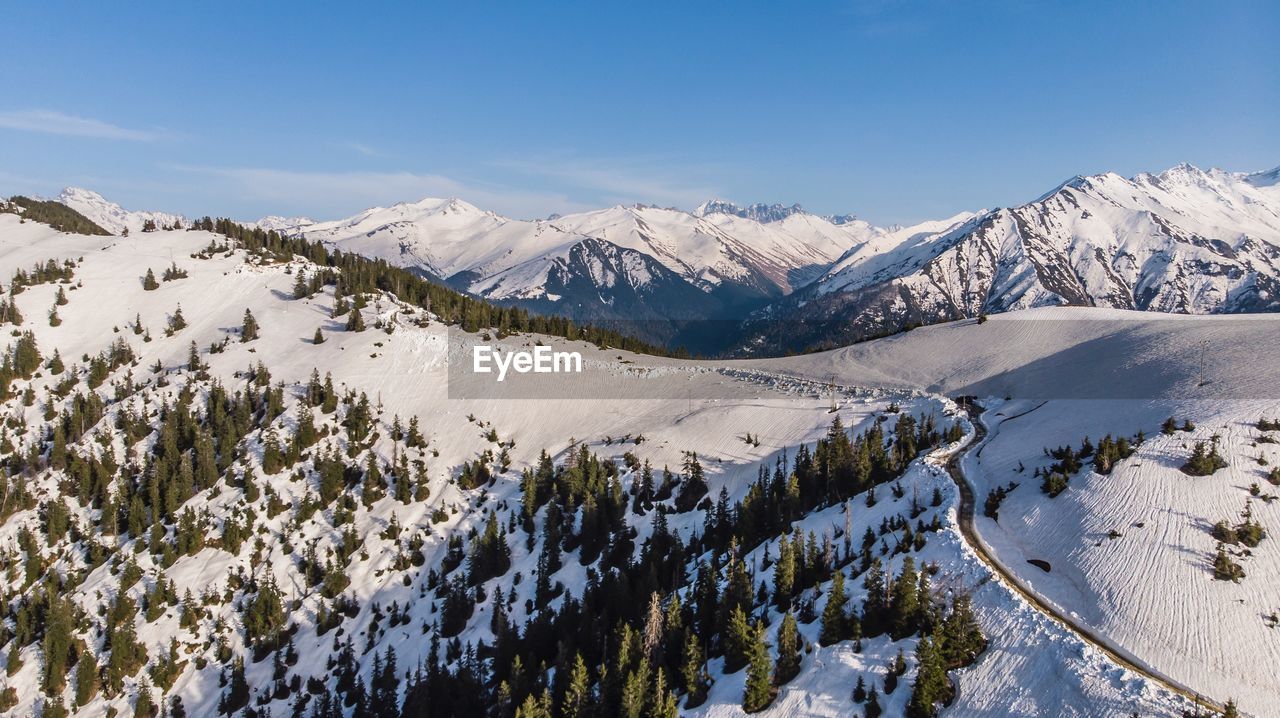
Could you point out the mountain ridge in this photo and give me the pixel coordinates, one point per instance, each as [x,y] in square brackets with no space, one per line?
[1180,240]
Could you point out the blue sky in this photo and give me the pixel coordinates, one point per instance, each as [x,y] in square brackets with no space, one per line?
[895,111]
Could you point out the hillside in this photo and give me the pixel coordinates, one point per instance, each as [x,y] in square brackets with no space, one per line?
[264,525]
[54,214]
[114,218]
[1131,551]
[1059,376]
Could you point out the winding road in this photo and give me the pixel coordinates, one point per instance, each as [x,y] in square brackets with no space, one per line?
[971,537]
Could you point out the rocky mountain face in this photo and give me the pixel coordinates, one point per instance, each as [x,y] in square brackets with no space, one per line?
[1183,241]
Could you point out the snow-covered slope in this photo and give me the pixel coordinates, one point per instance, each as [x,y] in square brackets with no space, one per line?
[111,216]
[393,549]
[1131,553]
[1182,241]
[1062,353]
[1051,377]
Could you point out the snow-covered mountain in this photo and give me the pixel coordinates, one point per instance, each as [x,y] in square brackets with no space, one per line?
[282,224]
[267,506]
[762,212]
[759,211]
[111,216]
[1183,241]
[622,262]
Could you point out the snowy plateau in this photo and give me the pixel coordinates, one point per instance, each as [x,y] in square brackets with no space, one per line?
[236,481]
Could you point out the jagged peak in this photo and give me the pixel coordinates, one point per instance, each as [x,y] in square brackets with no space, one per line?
[759,212]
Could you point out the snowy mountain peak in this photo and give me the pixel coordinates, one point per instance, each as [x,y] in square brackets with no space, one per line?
[80,194]
[759,212]
[111,216]
[283,224]
[443,206]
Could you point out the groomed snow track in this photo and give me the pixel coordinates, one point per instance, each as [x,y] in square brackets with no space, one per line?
[968,529]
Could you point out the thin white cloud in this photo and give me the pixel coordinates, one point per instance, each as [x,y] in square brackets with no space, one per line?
[336,194]
[51,122]
[359,148]
[621,181]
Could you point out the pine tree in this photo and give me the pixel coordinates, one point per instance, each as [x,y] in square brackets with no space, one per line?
[833,616]
[738,642]
[662,703]
[414,439]
[355,322]
[759,691]
[149,282]
[53,707]
[788,665]
[176,322]
[144,703]
[249,329]
[931,686]
[962,636]
[1224,569]
[57,642]
[693,672]
[873,704]
[635,691]
[318,338]
[300,285]
[904,602]
[86,678]
[373,488]
[272,454]
[578,698]
[538,706]
[784,574]
[237,694]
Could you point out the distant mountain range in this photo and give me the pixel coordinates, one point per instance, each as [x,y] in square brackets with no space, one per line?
[1184,241]
[773,278]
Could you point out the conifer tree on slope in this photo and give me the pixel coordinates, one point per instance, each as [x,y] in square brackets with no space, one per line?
[833,618]
[788,665]
[931,686]
[759,691]
[249,329]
